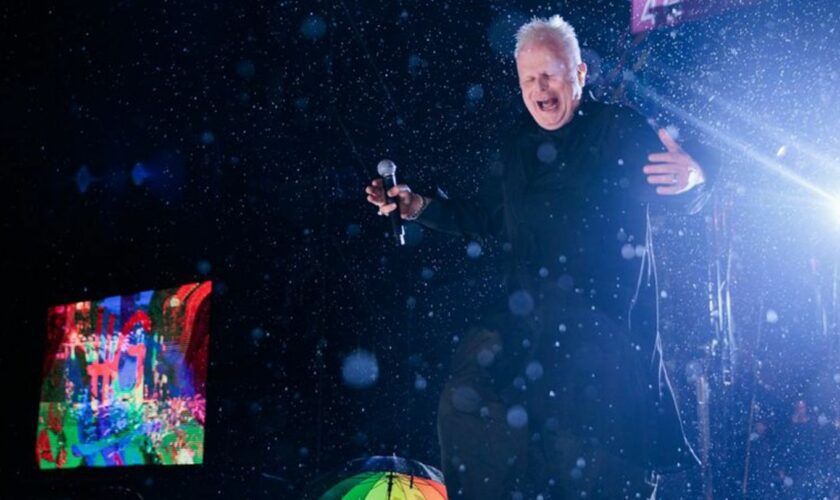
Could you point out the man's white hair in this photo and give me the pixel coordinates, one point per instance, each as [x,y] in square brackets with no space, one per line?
[554,29]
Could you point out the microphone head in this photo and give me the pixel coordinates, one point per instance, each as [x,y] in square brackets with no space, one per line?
[386,168]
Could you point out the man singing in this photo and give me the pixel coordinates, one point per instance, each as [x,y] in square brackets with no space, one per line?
[554,392]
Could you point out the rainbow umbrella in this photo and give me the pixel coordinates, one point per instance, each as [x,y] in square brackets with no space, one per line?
[388,478]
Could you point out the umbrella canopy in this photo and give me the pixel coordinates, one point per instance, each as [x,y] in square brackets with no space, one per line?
[388,478]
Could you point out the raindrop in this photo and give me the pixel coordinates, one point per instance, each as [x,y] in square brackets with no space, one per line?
[485,357]
[475,92]
[473,250]
[139,174]
[521,303]
[673,131]
[534,371]
[416,65]
[83,179]
[313,27]
[565,282]
[465,399]
[517,417]
[203,267]
[360,369]
[547,152]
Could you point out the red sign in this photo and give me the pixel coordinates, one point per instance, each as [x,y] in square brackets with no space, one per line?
[650,14]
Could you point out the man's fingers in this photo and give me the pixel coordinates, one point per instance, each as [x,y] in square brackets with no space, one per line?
[663,168]
[667,179]
[375,195]
[373,191]
[668,190]
[672,157]
[387,209]
[405,197]
[668,141]
[396,190]
[375,200]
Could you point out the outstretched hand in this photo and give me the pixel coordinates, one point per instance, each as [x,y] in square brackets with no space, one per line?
[675,171]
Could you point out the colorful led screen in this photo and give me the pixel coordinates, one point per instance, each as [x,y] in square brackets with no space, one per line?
[124,380]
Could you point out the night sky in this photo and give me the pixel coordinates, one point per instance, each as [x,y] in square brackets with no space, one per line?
[151,144]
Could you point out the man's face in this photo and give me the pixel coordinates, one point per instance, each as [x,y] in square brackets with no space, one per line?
[550,89]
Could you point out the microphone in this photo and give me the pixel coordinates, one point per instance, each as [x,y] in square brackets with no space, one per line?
[387,170]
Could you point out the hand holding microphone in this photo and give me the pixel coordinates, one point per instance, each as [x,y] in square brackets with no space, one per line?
[386,194]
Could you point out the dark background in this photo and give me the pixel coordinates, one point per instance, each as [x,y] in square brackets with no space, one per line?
[257,126]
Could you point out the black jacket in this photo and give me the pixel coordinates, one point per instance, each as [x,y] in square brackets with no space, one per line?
[567,203]
[571,208]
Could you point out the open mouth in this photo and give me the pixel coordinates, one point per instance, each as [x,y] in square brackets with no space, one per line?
[548,104]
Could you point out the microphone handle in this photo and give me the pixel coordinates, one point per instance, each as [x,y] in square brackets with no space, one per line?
[389,181]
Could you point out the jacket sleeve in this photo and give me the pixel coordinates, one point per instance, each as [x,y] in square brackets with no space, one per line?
[479,217]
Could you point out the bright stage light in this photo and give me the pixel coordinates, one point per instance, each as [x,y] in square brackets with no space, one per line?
[835,206]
